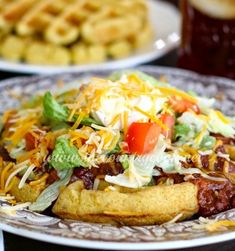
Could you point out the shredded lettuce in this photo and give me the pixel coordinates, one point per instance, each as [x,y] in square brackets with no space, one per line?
[216,125]
[139,169]
[51,193]
[56,113]
[52,110]
[171,162]
[193,120]
[182,132]
[133,177]
[213,122]
[207,142]
[124,161]
[88,121]
[115,150]
[205,104]
[65,155]
[185,134]
[55,126]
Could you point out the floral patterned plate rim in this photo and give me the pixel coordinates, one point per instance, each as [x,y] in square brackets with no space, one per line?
[99,236]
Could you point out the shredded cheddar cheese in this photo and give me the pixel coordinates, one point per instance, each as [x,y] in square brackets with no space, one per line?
[78,121]
[9,187]
[222,117]
[125,121]
[200,136]
[4,174]
[17,169]
[20,132]
[27,155]
[152,118]
[176,92]
[114,120]
[39,181]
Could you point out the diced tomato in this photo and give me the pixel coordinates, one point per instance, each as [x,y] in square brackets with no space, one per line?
[31,141]
[183,105]
[142,137]
[169,121]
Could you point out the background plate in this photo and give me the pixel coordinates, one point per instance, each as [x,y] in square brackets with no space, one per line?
[100,236]
[165,19]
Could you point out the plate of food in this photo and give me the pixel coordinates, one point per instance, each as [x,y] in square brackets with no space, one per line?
[134,159]
[70,36]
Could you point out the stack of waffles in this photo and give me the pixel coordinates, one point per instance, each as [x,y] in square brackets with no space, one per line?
[63,32]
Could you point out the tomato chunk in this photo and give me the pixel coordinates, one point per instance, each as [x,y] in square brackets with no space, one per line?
[169,121]
[183,105]
[31,141]
[142,137]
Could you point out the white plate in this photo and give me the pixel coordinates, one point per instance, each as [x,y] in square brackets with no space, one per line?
[100,236]
[166,22]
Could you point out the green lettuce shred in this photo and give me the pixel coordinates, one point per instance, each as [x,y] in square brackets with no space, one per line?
[51,193]
[52,110]
[181,132]
[124,161]
[207,143]
[55,113]
[88,121]
[65,155]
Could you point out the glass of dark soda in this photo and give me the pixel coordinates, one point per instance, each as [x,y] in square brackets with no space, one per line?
[208,37]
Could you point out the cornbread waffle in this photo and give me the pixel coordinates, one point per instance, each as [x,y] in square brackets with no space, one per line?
[13,11]
[40,16]
[62,32]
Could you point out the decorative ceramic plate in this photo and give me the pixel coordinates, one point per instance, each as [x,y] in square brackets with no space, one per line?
[165,20]
[80,234]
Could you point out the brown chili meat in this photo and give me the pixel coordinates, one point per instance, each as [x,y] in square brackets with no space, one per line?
[88,175]
[213,196]
[225,140]
[52,176]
